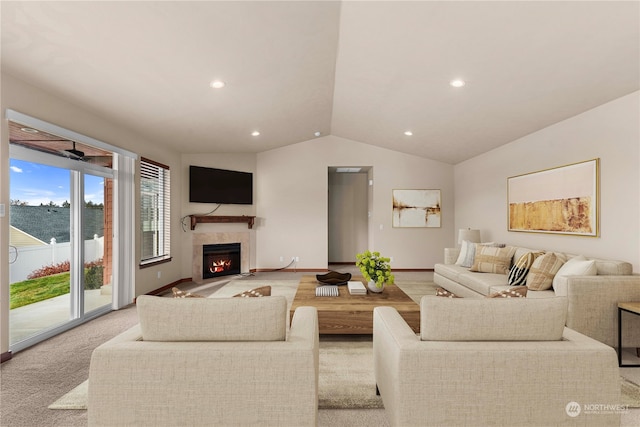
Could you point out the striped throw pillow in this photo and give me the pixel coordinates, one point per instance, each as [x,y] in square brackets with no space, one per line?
[542,272]
[519,271]
[493,260]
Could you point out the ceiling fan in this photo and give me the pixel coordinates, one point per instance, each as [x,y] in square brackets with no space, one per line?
[73,153]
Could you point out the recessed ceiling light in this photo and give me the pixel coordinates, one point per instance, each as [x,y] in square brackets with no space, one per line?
[408,133]
[29,130]
[255,133]
[317,133]
[457,83]
[348,170]
[217,84]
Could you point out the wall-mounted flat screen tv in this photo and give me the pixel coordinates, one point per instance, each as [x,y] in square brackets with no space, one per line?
[209,185]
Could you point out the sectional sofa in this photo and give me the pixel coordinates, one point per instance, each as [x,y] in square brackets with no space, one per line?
[592,298]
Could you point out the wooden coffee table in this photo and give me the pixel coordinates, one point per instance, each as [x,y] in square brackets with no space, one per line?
[353,314]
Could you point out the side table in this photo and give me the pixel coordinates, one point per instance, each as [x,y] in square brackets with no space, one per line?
[629,307]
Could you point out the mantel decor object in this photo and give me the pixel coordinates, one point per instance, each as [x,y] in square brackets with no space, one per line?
[333,278]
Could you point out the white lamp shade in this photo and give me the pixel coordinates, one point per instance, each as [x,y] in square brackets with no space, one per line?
[468,235]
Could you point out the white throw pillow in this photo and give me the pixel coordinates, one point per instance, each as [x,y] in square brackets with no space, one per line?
[577,266]
[468,253]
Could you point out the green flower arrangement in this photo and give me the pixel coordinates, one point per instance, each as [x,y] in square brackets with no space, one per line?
[375,268]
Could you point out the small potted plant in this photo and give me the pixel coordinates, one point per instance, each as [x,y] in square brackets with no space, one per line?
[375,269]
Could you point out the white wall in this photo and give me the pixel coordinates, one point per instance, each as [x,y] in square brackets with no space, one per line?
[292,202]
[610,132]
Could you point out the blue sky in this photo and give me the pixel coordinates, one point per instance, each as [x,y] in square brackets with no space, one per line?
[36,183]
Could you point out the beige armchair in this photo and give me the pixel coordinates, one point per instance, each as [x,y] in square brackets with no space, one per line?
[205,362]
[492,362]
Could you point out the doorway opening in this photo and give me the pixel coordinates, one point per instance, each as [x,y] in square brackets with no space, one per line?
[350,202]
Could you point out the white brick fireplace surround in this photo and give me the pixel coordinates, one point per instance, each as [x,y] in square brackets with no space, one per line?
[200,239]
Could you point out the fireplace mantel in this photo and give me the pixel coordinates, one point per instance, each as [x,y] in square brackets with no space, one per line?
[195,219]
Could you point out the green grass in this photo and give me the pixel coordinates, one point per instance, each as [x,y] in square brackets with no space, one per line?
[35,290]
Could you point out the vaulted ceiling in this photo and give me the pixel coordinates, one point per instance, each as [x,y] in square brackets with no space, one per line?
[363,70]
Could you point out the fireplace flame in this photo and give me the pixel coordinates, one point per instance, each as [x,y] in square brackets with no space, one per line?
[220,265]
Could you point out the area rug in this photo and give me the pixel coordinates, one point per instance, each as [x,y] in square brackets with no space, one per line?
[75,399]
[346,365]
[286,288]
[415,289]
[346,378]
[630,393]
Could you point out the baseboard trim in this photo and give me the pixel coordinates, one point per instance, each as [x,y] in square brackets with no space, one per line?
[5,356]
[165,288]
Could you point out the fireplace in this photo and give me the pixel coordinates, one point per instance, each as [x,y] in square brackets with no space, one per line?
[220,260]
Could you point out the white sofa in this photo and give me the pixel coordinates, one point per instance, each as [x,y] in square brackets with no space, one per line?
[592,299]
[206,362]
[500,362]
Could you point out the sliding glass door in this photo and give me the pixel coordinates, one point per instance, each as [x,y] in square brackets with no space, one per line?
[97,225]
[72,197]
[61,218]
[41,221]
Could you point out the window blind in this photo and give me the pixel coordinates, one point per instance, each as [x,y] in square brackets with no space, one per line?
[155,211]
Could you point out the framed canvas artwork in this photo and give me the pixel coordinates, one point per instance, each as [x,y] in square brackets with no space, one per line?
[561,200]
[416,208]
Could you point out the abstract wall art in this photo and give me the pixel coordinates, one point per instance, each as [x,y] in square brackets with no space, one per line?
[416,208]
[562,200]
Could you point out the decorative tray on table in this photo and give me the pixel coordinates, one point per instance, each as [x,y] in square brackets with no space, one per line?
[333,278]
